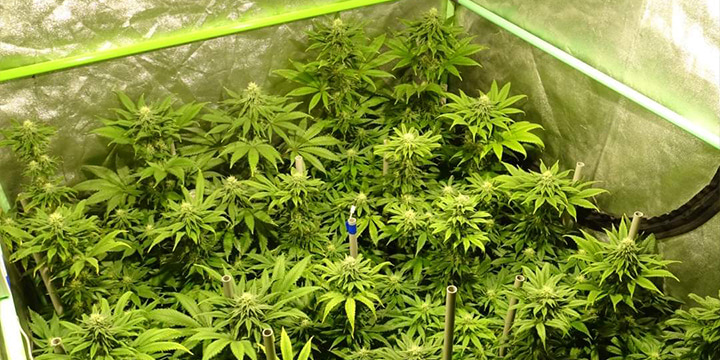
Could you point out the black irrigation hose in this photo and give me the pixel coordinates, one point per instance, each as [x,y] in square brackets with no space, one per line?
[696,212]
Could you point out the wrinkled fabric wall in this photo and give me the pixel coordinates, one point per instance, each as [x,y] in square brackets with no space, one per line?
[666,49]
[36,31]
[699,269]
[72,99]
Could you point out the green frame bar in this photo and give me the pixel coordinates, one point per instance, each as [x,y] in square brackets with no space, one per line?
[9,321]
[182,39]
[713,139]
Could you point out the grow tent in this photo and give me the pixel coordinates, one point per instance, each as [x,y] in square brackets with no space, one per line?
[649,162]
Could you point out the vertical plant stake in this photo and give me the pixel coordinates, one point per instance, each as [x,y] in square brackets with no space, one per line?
[635,225]
[57,345]
[47,279]
[510,317]
[351,225]
[228,286]
[386,164]
[300,165]
[269,344]
[449,322]
[577,176]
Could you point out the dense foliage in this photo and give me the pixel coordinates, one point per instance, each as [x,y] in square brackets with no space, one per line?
[256,188]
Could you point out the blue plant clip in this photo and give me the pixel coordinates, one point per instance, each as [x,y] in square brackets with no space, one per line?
[352,229]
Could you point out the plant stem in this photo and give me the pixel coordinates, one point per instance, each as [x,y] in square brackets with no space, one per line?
[510,316]
[449,322]
[269,343]
[45,275]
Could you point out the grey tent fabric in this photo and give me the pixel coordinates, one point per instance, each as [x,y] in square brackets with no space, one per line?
[71,100]
[644,161]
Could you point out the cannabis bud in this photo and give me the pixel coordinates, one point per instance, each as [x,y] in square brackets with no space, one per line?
[144,112]
[29,126]
[410,215]
[361,197]
[55,219]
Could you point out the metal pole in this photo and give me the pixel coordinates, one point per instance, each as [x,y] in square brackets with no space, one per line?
[57,344]
[449,322]
[269,343]
[510,316]
[578,171]
[228,286]
[635,225]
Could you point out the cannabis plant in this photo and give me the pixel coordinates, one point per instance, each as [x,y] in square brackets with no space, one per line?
[252,114]
[547,312]
[410,155]
[286,348]
[114,188]
[107,333]
[151,130]
[421,316]
[475,335]
[346,68]
[431,48]
[192,219]
[699,329]
[459,223]
[350,283]
[69,239]
[409,348]
[548,189]
[29,141]
[231,324]
[487,127]
[621,269]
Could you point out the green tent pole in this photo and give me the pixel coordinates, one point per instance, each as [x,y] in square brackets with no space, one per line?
[9,322]
[653,106]
[182,39]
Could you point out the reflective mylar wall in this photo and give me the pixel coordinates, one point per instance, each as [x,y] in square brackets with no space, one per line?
[36,31]
[72,99]
[668,50]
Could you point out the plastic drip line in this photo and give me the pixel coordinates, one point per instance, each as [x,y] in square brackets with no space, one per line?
[649,104]
[182,39]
